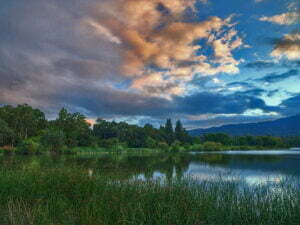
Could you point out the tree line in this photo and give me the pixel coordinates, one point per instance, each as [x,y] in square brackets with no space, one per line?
[23,125]
[28,130]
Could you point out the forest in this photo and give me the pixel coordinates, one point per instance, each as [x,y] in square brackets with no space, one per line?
[26,130]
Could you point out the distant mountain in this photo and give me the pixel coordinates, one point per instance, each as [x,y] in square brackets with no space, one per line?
[289,126]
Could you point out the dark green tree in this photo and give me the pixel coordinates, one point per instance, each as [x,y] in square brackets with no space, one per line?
[169,132]
[6,134]
[25,121]
[53,139]
[104,129]
[180,133]
[75,127]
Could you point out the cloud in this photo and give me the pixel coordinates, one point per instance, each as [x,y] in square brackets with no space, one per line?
[260,64]
[277,77]
[216,120]
[288,46]
[119,58]
[206,102]
[91,40]
[242,84]
[156,36]
[252,92]
[283,19]
[263,64]
[101,30]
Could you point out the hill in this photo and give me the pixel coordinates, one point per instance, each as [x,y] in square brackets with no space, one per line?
[289,126]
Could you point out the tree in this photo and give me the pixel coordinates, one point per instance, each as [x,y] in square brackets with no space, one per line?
[25,121]
[6,134]
[75,128]
[53,139]
[180,133]
[150,142]
[104,129]
[169,132]
[221,138]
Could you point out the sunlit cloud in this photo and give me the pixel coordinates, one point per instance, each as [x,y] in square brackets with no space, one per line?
[288,46]
[160,49]
[150,58]
[283,19]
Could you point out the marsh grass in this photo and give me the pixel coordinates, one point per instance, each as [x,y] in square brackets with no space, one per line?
[71,197]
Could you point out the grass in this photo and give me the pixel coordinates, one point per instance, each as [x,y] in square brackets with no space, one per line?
[72,197]
[95,150]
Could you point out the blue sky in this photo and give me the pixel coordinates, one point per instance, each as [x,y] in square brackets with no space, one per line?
[207,63]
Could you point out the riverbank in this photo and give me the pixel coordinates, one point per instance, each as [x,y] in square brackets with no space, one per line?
[178,149]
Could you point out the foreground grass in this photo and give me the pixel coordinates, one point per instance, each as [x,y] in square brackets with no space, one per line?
[72,197]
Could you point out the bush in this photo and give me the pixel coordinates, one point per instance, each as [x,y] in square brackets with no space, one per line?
[163,146]
[175,147]
[28,147]
[196,148]
[109,143]
[212,146]
[66,150]
[150,143]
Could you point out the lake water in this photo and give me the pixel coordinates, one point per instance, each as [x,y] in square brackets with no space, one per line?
[251,167]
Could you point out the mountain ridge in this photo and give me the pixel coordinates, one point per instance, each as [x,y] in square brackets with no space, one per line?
[288,126]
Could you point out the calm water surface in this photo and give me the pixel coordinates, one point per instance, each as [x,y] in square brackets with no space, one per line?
[251,167]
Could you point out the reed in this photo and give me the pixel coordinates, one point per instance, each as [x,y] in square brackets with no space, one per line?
[74,197]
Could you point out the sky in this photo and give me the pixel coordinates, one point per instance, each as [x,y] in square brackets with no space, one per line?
[206,62]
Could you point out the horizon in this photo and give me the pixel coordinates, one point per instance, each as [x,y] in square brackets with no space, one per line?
[204,62]
[92,122]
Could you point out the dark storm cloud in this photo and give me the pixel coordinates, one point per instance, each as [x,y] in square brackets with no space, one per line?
[259,92]
[277,77]
[272,93]
[45,50]
[109,102]
[252,92]
[205,102]
[226,120]
[261,65]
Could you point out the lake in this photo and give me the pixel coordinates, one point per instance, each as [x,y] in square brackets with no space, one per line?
[220,188]
[250,167]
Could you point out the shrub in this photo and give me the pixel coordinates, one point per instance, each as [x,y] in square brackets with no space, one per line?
[150,143]
[163,146]
[28,147]
[175,147]
[66,150]
[212,146]
[196,148]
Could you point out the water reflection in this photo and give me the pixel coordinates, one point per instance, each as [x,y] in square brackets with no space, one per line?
[251,167]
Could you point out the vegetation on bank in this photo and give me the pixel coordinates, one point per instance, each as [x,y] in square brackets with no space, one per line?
[70,196]
[26,130]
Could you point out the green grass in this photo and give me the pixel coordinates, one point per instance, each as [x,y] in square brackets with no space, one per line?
[94,150]
[71,197]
